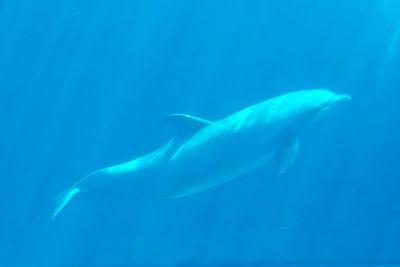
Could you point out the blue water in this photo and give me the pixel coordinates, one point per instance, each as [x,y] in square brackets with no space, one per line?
[86,84]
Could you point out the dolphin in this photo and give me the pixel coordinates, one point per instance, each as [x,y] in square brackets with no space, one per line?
[204,153]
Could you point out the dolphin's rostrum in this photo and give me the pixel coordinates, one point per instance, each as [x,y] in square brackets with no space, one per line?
[205,154]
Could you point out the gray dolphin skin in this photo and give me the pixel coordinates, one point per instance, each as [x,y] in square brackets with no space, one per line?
[206,153]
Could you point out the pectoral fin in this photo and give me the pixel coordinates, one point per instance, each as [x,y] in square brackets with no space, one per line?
[285,157]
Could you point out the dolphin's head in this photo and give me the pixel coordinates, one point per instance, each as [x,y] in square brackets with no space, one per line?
[321,100]
[316,102]
[299,108]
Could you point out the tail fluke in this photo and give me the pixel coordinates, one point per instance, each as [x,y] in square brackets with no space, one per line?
[63,199]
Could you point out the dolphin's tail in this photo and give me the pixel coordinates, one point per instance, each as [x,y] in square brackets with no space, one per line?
[63,198]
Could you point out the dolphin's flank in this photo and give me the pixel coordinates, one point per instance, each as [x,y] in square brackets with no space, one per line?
[207,153]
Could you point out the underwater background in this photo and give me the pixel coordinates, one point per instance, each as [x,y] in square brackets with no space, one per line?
[87,84]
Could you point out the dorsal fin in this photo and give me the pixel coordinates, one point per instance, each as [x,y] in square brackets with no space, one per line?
[187,125]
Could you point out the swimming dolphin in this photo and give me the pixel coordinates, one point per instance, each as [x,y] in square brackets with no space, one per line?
[205,154]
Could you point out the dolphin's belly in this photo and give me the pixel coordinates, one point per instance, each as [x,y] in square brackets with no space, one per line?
[207,176]
[206,164]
